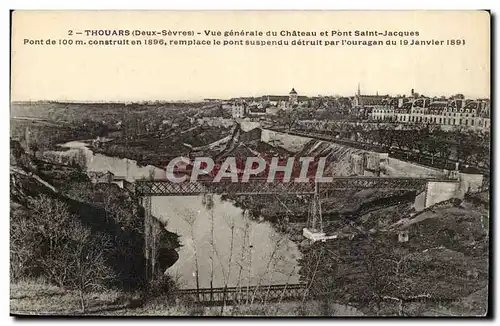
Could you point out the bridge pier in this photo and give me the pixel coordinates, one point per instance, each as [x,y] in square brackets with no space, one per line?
[152,233]
[436,192]
[315,221]
[314,229]
[442,190]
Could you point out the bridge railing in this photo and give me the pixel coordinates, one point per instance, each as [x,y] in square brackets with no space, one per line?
[269,293]
[243,294]
[405,155]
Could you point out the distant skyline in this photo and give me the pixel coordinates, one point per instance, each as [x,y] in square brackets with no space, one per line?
[198,99]
[128,73]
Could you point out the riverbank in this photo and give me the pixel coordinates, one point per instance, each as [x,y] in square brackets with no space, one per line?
[160,147]
[55,202]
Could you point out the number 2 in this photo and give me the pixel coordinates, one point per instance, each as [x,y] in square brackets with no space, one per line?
[70,32]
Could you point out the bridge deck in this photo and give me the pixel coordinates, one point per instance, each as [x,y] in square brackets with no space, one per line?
[262,187]
[268,293]
[243,294]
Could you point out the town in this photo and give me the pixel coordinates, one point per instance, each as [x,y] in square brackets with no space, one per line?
[415,108]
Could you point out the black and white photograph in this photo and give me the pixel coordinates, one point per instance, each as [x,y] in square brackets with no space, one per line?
[250,163]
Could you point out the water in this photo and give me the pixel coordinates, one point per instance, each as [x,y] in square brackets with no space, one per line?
[244,251]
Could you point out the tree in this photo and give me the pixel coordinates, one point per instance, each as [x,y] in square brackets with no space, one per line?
[289,117]
[208,203]
[432,147]
[23,247]
[79,160]
[88,264]
[231,226]
[60,247]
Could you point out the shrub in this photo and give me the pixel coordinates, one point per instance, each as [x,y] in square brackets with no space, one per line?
[48,241]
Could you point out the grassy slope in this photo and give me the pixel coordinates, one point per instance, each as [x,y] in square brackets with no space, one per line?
[36,297]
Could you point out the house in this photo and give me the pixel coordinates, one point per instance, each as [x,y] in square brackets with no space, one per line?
[275,100]
[238,110]
[256,111]
[272,110]
[403,236]
[370,101]
[101,177]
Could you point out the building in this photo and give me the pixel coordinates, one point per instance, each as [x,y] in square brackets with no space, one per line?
[238,110]
[276,100]
[283,101]
[446,112]
[369,101]
[293,97]
[383,113]
[358,164]
[268,104]
[403,236]
[100,177]
[362,106]
[255,111]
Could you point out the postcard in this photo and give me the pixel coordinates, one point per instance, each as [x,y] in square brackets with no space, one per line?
[250,163]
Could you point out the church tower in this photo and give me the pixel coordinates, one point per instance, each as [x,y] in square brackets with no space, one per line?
[357,98]
[293,97]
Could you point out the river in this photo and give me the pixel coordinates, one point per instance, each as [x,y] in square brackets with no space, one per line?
[244,251]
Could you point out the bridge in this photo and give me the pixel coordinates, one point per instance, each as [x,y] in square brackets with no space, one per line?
[243,295]
[264,294]
[143,188]
[146,189]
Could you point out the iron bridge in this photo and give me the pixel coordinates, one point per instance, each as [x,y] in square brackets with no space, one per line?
[243,294]
[264,294]
[262,187]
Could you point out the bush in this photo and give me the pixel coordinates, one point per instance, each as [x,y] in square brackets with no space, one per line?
[47,241]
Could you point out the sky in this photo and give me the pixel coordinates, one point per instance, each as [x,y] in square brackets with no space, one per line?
[137,73]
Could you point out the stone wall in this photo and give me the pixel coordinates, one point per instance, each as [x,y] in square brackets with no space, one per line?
[289,142]
[441,191]
[437,192]
[470,182]
[398,168]
[246,126]
[419,203]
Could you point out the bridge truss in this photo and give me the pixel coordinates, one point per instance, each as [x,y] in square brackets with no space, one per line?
[264,294]
[262,187]
[243,294]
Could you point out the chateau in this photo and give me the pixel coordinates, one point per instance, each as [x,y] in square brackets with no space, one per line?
[267,104]
[453,111]
[413,109]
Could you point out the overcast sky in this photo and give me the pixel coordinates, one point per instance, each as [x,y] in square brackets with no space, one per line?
[132,73]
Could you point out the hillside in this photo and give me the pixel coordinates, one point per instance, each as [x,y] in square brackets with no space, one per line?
[55,214]
[444,261]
